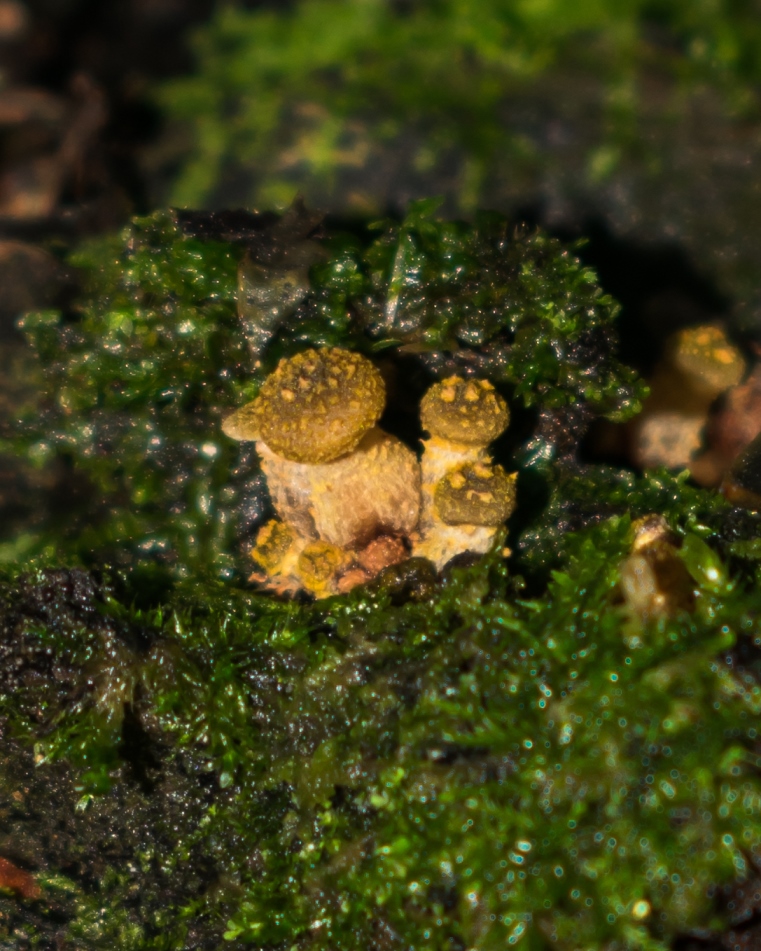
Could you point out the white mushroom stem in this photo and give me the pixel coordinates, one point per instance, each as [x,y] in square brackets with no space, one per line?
[437,541]
[372,490]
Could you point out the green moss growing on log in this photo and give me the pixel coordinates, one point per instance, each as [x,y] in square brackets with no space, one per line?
[141,375]
[468,765]
[499,755]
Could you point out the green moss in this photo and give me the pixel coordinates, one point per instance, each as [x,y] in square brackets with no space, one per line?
[468,766]
[301,98]
[156,357]
[501,754]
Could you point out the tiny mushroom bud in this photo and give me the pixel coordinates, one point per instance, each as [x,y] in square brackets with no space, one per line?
[476,494]
[706,358]
[273,544]
[463,411]
[319,567]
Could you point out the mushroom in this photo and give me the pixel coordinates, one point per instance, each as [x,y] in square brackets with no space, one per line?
[654,579]
[465,497]
[333,475]
[699,364]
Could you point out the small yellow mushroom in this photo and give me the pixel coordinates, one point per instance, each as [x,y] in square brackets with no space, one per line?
[698,364]
[465,497]
[476,494]
[463,411]
[332,474]
[654,579]
[315,407]
[706,359]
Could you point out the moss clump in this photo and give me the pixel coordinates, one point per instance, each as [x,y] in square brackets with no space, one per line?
[155,357]
[464,759]
[456,764]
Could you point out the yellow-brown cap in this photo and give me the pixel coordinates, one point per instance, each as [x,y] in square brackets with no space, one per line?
[464,411]
[315,407]
[273,543]
[707,358]
[475,494]
[319,565]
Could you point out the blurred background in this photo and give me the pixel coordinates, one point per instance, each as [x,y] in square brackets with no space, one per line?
[629,121]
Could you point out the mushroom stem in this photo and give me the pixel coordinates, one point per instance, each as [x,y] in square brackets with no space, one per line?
[463,417]
[437,541]
[373,490]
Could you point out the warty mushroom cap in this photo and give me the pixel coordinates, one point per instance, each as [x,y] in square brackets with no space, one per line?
[463,411]
[476,494]
[315,407]
[707,358]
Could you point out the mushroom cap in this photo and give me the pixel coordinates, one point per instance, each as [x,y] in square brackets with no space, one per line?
[319,565]
[706,357]
[464,411]
[273,543]
[242,424]
[315,406]
[475,494]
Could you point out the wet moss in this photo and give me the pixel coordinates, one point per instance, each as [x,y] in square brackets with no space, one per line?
[464,766]
[496,754]
[142,373]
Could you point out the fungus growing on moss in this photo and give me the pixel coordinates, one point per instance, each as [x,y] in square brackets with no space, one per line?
[699,363]
[465,497]
[475,494]
[315,407]
[654,580]
[333,476]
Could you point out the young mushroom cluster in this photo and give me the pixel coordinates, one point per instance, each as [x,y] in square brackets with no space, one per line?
[352,499]
[465,497]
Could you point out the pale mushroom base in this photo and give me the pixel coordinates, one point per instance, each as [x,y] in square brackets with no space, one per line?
[437,540]
[317,566]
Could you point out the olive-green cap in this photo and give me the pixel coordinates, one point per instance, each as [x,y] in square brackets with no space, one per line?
[706,357]
[315,407]
[475,494]
[470,412]
[273,543]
